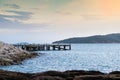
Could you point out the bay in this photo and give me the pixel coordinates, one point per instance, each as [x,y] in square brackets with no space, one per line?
[98,57]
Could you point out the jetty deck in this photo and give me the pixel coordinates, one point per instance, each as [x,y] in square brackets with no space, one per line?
[44,47]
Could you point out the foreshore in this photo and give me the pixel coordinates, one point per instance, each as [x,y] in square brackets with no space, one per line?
[56,75]
[11,55]
[16,59]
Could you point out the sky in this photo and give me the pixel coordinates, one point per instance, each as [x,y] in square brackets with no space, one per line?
[45,21]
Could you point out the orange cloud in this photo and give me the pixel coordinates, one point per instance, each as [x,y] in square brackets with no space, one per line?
[110,7]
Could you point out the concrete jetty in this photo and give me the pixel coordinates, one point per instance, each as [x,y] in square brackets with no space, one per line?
[44,47]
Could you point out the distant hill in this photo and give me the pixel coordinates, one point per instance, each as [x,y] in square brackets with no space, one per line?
[110,38]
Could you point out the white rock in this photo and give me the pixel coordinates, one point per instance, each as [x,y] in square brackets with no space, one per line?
[6,49]
[7,52]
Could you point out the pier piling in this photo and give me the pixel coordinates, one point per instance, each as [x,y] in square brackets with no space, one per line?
[44,47]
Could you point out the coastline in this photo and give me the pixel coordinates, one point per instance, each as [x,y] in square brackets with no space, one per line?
[17,59]
[11,55]
[56,75]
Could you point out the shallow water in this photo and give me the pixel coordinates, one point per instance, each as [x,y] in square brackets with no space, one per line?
[100,57]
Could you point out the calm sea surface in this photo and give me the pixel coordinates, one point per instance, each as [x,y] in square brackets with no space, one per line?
[100,57]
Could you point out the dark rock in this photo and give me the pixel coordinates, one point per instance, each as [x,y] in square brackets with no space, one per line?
[74,73]
[89,77]
[8,75]
[56,75]
[97,77]
[48,78]
[115,72]
[52,73]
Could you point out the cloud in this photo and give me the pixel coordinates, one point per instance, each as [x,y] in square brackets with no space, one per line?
[20,15]
[15,22]
[2,19]
[19,26]
[63,13]
[12,6]
[22,27]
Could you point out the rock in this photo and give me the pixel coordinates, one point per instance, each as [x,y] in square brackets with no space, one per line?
[115,72]
[81,72]
[10,54]
[52,73]
[56,75]
[89,77]
[48,78]
[97,77]
[8,75]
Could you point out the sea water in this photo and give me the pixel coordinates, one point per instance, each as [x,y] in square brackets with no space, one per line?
[98,57]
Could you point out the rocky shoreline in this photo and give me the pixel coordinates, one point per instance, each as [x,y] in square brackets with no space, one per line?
[17,59]
[56,75]
[11,55]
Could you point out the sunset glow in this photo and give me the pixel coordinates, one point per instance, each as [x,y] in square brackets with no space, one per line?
[50,20]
